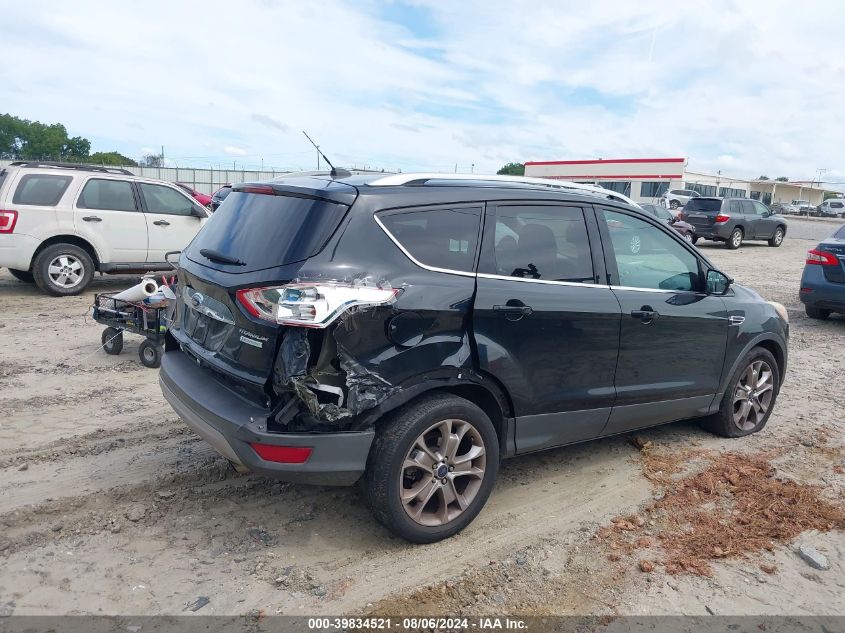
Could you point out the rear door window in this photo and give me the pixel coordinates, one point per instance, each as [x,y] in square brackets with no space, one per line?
[735,206]
[41,190]
[833,205]
[542,242]
[748,207]
[439,238]
[107,195]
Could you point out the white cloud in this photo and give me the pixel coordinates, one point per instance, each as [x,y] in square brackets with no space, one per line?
[496,81]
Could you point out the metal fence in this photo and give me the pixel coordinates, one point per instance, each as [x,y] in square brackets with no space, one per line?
[203,180]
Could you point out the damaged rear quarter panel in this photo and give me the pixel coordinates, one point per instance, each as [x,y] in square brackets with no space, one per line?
[370,354]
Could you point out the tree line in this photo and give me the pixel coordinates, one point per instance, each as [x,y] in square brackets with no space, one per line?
[22,139]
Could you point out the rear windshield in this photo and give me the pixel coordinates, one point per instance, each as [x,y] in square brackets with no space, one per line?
[265,231]
[703,204]
[222,193]
[840,234]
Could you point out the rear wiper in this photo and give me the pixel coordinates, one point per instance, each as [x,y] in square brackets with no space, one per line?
[217,256]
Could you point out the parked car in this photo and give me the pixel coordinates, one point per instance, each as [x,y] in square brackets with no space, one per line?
[823,281]
[686,230]
[60,223]
[219,196]
[804,207]
[203,198]
[734,220]
[675,198]
[832,208]
[366,327]
[783,208]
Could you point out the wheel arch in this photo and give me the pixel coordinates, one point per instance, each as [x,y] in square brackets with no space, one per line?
[68,239]
[481,389]
[768,342]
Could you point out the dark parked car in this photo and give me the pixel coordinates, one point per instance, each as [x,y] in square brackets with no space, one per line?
[823,282]
[219,196]
[733,220]
[686,230]
[412,330]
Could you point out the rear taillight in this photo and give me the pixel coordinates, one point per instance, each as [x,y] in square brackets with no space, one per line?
[8,219]
[822,258]
[722,218]
[282,454]
[310,305]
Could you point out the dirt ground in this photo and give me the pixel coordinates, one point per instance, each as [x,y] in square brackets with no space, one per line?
[109,505]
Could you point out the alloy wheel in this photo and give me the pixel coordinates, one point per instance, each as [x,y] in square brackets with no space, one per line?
[753,395]
[778,236]
[736,239]
[442,472]
[66,271]
[688,237]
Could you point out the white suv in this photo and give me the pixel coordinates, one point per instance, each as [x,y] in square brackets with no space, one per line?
[60,223]
[678,197]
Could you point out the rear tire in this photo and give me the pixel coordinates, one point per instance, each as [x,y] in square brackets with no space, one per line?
[456,448]
[674,204]
[112,340]
[735,240]
[22,275]
[63,270]
[777,239]
[816,313]
[759,372]
[150,354]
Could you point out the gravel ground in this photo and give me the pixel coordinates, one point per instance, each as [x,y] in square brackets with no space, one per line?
[108,504]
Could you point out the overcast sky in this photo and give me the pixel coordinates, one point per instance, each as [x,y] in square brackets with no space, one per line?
[746,87]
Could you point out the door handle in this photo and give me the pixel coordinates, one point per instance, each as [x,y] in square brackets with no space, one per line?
[92,218]
[514,313]
[161,223]
[646,314]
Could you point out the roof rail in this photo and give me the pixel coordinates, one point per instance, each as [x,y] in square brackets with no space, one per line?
[78,166]
[422,178]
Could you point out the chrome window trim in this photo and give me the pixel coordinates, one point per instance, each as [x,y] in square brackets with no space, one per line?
[663,290]
[435,269]
[541,281]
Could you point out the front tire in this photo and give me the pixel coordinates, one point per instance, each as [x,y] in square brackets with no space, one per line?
[63,270]
[674,204]
[776,239]
[735,240]
[22,275]
[431,467]
[750,397]
[816,313]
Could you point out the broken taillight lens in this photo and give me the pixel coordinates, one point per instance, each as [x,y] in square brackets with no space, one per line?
[310,305]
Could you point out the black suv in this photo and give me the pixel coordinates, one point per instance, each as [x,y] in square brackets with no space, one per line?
[411,331]
[732,220]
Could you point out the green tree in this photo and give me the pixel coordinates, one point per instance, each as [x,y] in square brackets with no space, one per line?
[111,158]
[832,194]
[33,140]
[762,178]
[152,160]
[782,179]
[512,169]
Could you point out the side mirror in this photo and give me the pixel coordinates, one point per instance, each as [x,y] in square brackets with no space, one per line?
[198,212]
[717,282]
[767,213]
